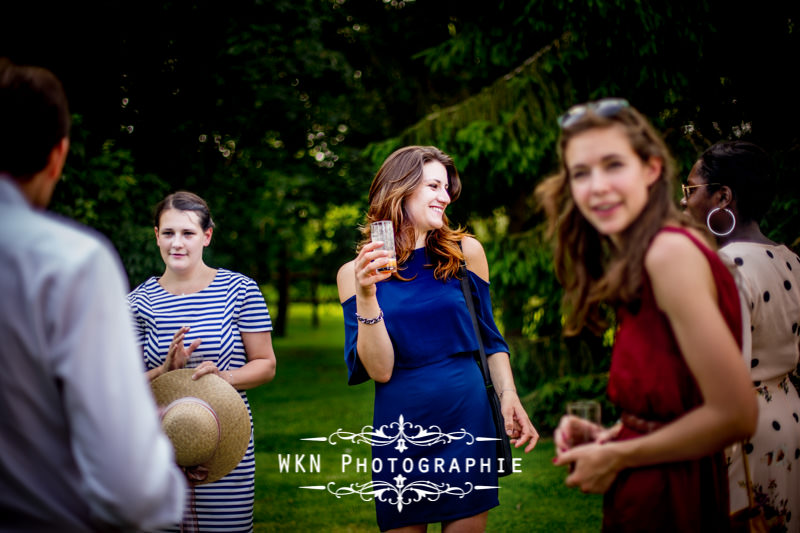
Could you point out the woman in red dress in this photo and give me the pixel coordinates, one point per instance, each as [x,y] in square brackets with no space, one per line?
[677,372]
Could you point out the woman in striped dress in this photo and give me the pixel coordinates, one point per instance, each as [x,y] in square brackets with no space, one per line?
[214,320]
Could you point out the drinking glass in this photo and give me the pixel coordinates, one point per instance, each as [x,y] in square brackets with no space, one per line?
[383,231]
[587,410]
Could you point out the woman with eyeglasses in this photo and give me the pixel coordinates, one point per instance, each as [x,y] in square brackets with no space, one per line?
[677,374]
[730,188]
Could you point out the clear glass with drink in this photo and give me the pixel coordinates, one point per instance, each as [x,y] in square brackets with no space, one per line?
[383,231]
[581,433]
[588,410]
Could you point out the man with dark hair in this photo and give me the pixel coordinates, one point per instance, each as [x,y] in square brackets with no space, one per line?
[80,444]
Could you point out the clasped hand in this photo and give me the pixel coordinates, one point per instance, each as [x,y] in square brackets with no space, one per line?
[518,426]
[585,447]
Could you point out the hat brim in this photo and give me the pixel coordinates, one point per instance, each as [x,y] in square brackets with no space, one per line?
[229,406]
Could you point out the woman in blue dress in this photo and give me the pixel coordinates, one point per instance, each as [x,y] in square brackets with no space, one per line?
[410,331]
[210,319]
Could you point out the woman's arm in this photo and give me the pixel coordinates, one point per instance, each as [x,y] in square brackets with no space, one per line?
[260,366]
[518,425]
[685,291]
[261,362]
[358,277]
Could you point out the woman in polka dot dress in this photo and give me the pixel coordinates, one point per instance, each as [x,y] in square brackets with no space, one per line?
[729,189]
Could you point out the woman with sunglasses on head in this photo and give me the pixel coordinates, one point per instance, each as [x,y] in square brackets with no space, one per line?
[730,188]
[677,374]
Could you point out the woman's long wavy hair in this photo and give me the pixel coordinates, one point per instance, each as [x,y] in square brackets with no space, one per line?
[591,269]
[397,179]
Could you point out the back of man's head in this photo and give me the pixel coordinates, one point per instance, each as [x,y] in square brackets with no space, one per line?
[34,117]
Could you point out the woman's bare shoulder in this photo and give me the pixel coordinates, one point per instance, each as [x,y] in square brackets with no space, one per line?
[345,281]
[475,257]
[671,248]
[678,270]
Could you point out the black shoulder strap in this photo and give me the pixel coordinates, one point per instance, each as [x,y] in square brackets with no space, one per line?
[484,365]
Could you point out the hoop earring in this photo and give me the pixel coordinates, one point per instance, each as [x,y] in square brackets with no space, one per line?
[708,221]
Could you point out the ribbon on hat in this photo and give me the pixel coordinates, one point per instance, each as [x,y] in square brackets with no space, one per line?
[195,473]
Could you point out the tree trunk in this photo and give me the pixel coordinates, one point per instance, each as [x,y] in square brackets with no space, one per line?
[284,278]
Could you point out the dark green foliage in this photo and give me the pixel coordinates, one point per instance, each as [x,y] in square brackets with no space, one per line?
[697,69]
[548,403]
[536,361]
[279,113]
[102,189]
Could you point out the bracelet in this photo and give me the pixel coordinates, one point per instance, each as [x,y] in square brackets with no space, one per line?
[370,321]
[506,390]
[230,377]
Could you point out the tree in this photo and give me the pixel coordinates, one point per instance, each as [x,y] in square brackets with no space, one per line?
[246,107]
[264,108]
[692,68]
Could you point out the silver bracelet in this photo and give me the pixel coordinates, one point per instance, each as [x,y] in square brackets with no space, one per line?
[506,390]
[370,321]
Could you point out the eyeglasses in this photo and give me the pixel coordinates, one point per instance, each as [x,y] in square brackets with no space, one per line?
[605,107]
[687,189]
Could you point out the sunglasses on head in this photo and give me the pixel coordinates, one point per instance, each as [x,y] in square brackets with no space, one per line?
[605,107]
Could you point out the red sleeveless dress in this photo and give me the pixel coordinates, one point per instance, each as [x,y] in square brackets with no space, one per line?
[649,379]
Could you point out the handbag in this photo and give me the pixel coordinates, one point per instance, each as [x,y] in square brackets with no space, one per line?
[503,443]
[751,519]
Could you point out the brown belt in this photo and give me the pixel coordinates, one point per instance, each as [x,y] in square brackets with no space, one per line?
[640,425]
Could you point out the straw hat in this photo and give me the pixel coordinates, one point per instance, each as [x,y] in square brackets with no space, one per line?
[206,420]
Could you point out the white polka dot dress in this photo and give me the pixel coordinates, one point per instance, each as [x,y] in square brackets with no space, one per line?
[771,290]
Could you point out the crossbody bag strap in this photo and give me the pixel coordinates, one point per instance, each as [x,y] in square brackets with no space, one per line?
[487,377]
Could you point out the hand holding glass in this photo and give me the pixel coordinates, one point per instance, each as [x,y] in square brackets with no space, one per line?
[383,231]
[583,430]
[586,411]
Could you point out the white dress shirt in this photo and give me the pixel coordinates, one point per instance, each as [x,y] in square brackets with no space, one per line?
[80,443]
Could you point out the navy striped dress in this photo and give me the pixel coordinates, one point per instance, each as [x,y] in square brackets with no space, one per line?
[232,304]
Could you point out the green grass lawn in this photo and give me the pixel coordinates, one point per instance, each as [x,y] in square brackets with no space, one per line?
[310,398]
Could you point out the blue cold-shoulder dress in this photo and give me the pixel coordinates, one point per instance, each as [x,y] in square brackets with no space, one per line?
[429,462]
